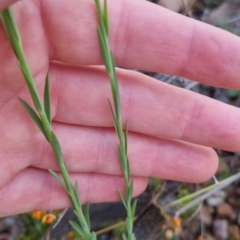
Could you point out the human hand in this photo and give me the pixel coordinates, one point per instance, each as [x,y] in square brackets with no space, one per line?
[171,129]
[5,3]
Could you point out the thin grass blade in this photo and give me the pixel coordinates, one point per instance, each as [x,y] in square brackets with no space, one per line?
[214,187]
[55,175]
[94,236]
[122,158]
[112,112]
[122,198]
[114,66]
[124,237]
[130,189]
[113,117]
[10,27]
[101,17]
[87,214]
[99,11]
[47,106]
[57,149]
[32,88]
[134,205]
[126,139]
[77,228]
[104,50]
[115,88]
[128,168]
[15,40]
[105,17]
[34,116]
[77,193]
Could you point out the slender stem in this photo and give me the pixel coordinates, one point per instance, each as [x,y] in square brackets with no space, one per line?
[212,188]
[15,40]
[116,115]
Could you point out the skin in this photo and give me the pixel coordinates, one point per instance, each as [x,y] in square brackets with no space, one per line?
[172,130]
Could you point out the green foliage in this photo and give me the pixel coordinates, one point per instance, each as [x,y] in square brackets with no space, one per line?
[33,228]
[116,112]
[232,94]
[155,184]
[47,106]
[42,118]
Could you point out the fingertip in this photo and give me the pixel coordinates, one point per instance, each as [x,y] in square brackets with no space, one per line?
[207,166]
[140,184]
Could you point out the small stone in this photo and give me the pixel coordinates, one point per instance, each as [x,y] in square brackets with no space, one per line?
[220,229]
[225,210]
[209,237]
[169,234]
[216,199]
[206,215]
[234,231]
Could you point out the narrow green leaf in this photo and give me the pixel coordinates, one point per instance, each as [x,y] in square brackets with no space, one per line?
[77,228]
[112,112]
[47,105]
[10,27]
[101,17]
[77,193]
[15,40]
[122,158]
[113,117]
[34,116]
[105,17]
[122,198]
[55,175]
[130,189]
[128,168]
[32,88]
[126,139]
[99,11]
[94,236]
[115,88]
[134,205]
[87,215]
[128,223]
[57,149]
[80,218]
[124,236]
[104,50]
[114,66]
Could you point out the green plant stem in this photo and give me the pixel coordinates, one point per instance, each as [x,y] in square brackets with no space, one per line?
[211,189]
[15,40]
[103,31]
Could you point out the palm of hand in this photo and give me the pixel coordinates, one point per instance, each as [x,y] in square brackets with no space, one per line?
[166,134]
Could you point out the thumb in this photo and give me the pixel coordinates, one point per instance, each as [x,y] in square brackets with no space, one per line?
[6,3]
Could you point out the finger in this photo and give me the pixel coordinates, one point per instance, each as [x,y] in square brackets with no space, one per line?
[6,3]
[174,45]
[95,150]
[88,149]
[46,193]
[149,107]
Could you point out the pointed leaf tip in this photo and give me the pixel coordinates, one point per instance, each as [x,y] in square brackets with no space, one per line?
[105,17]
[47,105]
[34,116]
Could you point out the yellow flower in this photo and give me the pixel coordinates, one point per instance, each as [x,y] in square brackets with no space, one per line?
[70,234]
[37,215]
[177,221]
[48,218]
